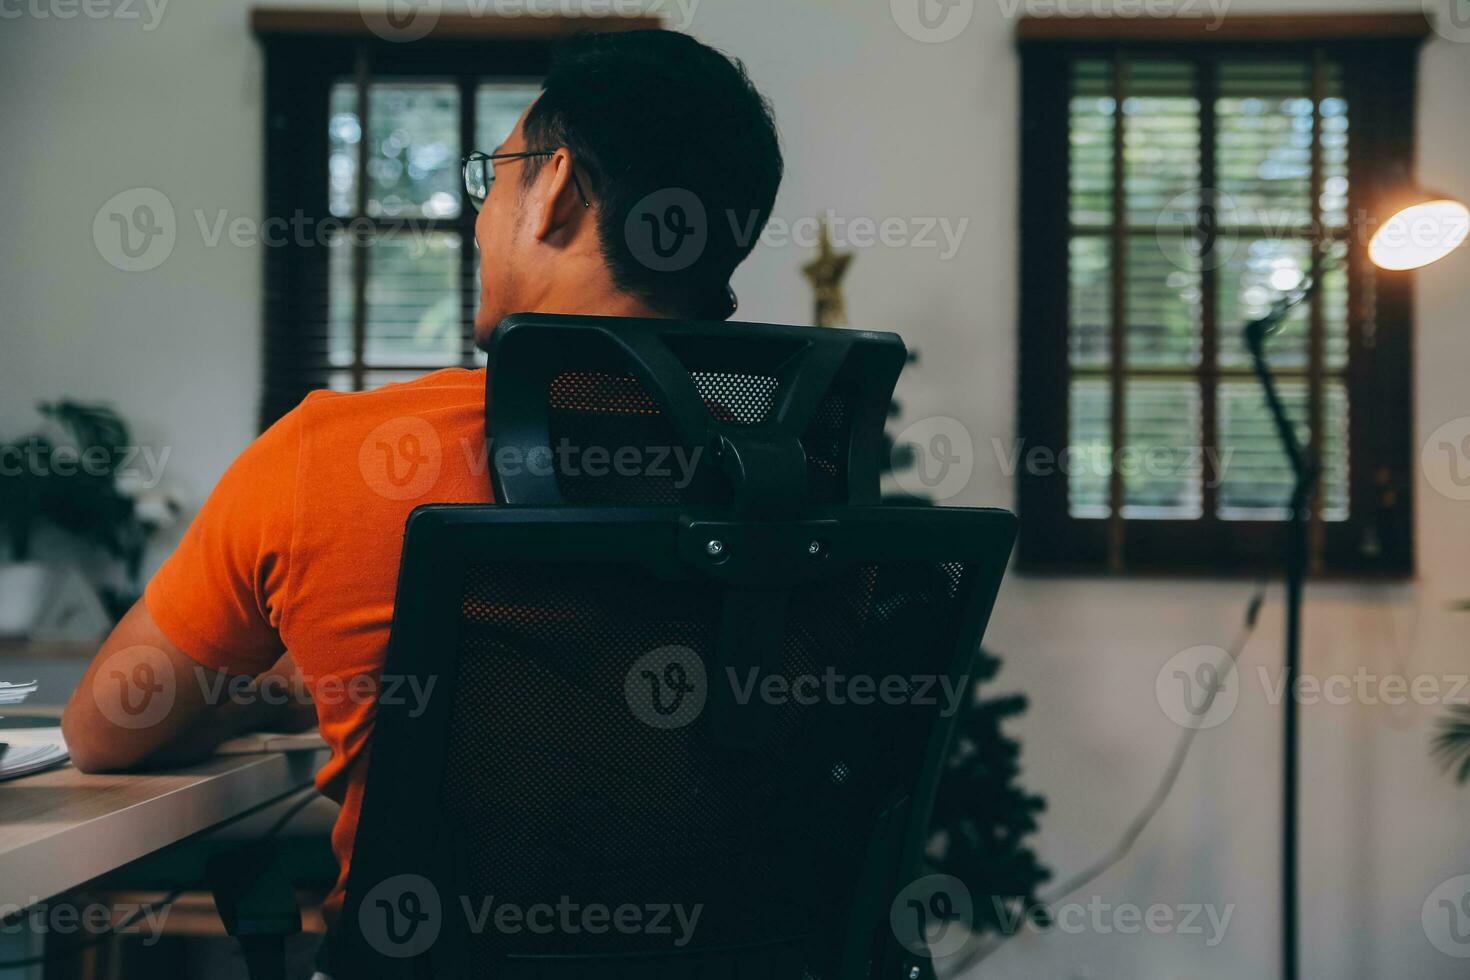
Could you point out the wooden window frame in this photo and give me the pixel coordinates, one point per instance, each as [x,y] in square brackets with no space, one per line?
[306,53]
[1379,59]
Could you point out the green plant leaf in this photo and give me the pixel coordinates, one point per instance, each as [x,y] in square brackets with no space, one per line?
[82,497]
[1450,745]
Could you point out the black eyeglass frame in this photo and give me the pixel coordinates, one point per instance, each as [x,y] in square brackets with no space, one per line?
[733,302]
[490,158]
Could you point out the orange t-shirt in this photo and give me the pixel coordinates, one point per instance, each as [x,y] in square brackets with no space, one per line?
[297,549]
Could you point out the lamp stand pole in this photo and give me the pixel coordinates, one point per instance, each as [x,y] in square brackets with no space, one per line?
[1304,471]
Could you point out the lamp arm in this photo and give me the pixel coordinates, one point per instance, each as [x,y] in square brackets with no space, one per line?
[1256,333]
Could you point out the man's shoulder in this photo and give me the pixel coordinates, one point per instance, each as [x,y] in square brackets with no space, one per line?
[413,441]
[449,390]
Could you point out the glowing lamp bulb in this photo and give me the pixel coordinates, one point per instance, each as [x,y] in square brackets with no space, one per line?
[1419,234]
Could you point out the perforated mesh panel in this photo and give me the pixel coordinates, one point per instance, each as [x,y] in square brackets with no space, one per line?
[825,441]
[556,787]
[614,412]
[601,412]
[737,399]
[601,394]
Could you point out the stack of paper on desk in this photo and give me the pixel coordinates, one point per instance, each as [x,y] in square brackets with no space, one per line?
[27,750]
[16,693]
[23,759]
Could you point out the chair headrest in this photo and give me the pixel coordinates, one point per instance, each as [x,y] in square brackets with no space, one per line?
[772,416]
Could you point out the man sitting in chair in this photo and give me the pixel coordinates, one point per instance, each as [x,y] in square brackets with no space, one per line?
[288,573]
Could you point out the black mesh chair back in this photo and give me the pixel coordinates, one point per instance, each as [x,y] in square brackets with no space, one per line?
[693,739]
[687,404]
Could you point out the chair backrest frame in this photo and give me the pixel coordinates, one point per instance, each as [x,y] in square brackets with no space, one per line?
[402,836]
[763,462]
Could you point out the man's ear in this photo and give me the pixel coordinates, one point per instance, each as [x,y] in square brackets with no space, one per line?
[556,202]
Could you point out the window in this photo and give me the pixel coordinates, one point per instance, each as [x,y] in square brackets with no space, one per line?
[401,301]
[1172,187]
[377,279]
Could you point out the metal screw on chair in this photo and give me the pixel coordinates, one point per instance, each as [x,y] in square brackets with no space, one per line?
[714,548]
[814,548]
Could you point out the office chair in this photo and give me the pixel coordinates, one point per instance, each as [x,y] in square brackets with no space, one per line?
[679,669]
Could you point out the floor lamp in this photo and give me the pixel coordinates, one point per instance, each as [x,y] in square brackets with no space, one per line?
[1422,227]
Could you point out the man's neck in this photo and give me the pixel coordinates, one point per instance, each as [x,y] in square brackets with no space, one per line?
[607,303]
[596,299]
[586,286]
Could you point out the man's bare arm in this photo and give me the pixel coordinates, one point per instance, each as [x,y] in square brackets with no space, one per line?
[145,703]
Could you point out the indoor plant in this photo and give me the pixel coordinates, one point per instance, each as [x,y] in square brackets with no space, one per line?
[71,477]
[983,816]
[1451,743]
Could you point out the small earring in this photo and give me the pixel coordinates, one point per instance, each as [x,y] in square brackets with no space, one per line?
[734,301]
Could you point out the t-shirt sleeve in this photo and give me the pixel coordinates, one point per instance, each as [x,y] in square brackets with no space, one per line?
[221,595]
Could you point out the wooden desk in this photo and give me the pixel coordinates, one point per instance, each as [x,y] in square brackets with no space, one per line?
[60,829]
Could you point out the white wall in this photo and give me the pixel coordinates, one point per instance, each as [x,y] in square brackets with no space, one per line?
[875,124]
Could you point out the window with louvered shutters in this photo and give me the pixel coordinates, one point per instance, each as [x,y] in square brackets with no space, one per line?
[1169,192]
[374,276]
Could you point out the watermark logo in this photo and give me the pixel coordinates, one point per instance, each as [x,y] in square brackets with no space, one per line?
[404,915]
[135,687]
[400,20]
[135,230]
[1203,228]
[135,468]
[836,688]
[1450,18]
[1189,229]
[413,691]
[676,15]
[410,20]
[568,459]
[1446,917]
[96,919]
[932,21]
[933,916]
[1445,458]
[1364,687]
[149,12]
[937,233]
[568,917]
[400,459]
[1103,918]
[666,687]
[943,458]
[401,916]
[1153,461]
[1214,10]
[1196,688]
[667,230]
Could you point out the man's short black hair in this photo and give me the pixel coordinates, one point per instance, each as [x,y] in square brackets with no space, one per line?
[658,122]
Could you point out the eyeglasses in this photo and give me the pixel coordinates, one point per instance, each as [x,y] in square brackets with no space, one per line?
[479,174]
